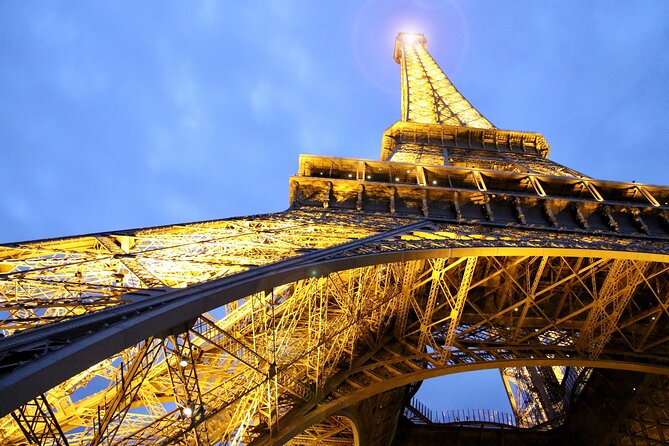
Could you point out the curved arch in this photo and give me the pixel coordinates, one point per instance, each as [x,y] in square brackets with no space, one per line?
[339,430]
[176,308]
[353,424]
[340,404]
[161,314]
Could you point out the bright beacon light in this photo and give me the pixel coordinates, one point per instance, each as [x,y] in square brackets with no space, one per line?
[406,40]
[411,39]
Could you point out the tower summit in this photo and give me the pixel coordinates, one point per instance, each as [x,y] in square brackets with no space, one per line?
[428,96]
[463,248]
[431,107]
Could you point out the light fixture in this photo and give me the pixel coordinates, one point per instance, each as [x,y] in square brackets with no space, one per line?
[183,363]
[187,411]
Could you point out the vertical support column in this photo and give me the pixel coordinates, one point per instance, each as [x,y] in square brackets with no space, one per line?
[406,296]
[458,303]
[426,317]
[618,288]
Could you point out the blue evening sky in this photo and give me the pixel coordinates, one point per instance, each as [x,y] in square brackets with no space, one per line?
[122,114]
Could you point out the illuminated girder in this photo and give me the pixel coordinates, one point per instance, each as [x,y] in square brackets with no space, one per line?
[53,280]
[428,96]
[335,338]
[463,249]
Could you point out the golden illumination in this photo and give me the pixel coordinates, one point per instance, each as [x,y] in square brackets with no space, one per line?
[428,96]
[376,291]
[411,39]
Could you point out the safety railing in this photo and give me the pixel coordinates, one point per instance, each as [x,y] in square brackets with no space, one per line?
[418,413]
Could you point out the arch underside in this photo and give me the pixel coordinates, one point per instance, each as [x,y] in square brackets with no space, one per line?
[316,337]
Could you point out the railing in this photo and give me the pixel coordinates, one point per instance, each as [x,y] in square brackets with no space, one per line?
[574,382]
[418,413]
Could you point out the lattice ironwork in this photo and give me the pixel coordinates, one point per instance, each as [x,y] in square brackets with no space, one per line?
[463,249]
[428,96]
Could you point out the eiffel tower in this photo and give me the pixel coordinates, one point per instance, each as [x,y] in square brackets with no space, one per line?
[463,248]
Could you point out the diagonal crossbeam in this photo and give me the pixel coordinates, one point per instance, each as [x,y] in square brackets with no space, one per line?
[614,295]
[111,414]
[39,424]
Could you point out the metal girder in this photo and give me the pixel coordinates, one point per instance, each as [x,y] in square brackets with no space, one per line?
[336,430]
[426,316]
[428,96]
[483,340]
[132,263]
[473,252]
[343,319]
[181,357]
[63,278]
[38,423]
[142,319]
[408,290]
[457,303]
[618,288]
[111,413]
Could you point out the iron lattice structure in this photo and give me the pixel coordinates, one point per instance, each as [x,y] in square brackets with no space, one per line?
[463,248]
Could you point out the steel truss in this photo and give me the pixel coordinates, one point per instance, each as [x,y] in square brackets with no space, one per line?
[465,249]
[339,338]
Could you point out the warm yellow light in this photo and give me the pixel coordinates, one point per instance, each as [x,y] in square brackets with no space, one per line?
[411,38]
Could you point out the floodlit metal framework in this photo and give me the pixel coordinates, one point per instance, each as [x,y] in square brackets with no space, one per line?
[463,248]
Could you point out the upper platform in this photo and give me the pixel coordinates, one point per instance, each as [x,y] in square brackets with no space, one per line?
[445,160]
[432,106]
